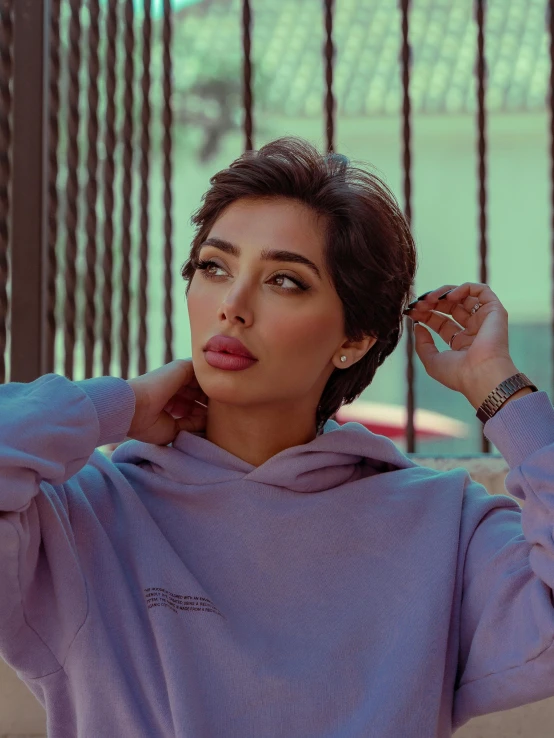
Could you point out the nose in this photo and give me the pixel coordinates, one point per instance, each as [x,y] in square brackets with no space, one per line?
[235,307]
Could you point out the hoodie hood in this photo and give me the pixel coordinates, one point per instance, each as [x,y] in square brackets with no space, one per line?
[340,454]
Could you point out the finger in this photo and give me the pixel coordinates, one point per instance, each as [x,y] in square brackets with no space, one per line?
[446,327]
[445,324]
[193,381]
[425,346]
[173,376]
[461,313]
[457,301]
[179,408]
[192,424]
[429,301]
[433,295]
[458,293]
[190,393]
[195,392]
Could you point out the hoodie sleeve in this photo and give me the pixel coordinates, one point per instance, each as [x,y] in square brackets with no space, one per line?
[49,428]
[506,653]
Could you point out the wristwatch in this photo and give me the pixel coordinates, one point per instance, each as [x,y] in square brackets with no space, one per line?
[494,401]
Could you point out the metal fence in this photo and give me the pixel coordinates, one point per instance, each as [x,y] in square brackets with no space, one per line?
[44,52]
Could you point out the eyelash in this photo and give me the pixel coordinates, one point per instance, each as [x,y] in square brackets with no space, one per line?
[203,264]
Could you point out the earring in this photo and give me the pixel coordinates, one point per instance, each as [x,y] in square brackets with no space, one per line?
[343,358]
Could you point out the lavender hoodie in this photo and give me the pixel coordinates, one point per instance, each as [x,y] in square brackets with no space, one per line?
[339,590]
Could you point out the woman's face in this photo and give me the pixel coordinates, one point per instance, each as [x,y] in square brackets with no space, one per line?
[295,334]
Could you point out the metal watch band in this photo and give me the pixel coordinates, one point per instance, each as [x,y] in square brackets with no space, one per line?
[500,394]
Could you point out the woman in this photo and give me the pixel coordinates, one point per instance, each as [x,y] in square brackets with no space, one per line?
[245,566]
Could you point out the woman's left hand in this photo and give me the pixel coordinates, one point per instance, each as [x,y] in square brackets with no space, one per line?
[479,357]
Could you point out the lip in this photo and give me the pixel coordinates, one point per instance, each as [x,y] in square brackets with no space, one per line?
[228,345]
[231,362]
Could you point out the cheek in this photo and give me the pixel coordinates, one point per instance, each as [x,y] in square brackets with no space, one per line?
[304,334]
[198,306]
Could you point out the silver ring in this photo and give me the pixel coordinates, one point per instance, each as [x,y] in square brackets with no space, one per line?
[475,308]
[452,338]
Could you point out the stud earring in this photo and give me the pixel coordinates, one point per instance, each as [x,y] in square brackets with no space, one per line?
[343,358]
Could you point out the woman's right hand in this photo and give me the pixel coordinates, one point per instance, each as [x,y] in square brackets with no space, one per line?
[165,403]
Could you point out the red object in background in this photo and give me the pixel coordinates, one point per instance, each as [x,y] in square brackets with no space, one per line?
[392,420]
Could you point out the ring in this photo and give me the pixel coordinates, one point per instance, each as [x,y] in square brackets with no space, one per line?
[452,339]
[475,308]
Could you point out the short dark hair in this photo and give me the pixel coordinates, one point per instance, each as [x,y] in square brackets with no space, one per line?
[369,251]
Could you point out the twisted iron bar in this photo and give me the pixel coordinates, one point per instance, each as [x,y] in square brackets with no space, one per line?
[481,71]
[53,142]
[329,54]
[481,137]
[247,74]
[72,188]
[6,68]
[550,21]
[144,188]
[92,186]
[406,57]
[168,224]
[127,185]
[109,173]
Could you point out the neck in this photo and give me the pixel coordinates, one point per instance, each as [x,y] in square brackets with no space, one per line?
[256,434]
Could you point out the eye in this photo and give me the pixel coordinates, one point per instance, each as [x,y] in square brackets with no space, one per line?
[205,265]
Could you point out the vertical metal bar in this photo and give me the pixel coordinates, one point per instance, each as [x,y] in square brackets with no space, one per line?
[6,37]
[144,189]
[550,22]
[329,53]
[92,185]
[52,200]
[482,155]
[46,339]
[127,185]
[247,74]
[72,189]
[27,191]
[406,56]
[167,122]
[108,176]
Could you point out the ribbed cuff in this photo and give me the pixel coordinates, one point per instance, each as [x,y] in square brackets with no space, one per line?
[114,401]
[521,427]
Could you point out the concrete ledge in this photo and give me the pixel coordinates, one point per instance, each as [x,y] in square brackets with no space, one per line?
[22,716]
[488,470]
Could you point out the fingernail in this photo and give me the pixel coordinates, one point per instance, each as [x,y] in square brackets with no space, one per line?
[446,293]
[406,312]
[424,295]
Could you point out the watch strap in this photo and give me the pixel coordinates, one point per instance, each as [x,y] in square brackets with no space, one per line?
[494,401]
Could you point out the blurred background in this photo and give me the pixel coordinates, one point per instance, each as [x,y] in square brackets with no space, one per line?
[288,93]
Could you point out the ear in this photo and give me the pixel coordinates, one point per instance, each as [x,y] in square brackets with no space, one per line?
[356,350]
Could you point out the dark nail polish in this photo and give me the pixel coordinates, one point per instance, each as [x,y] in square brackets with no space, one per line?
[424,295]
[446,293]
[406,312]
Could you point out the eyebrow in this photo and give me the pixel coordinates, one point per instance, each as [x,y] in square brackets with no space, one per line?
[266,254]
